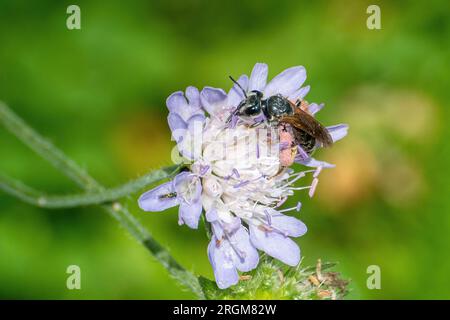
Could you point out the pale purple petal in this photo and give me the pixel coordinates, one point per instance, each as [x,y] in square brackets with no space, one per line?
[275,245]
[287,82]
[247,258]
[211,215]
[211,99]
[338,132]
[299,94]
[180,179]
[157,199]
[219,256]
[235,96]
[192,144]
[176,102]
[220,227]
[193,97]
[258,77]
[313,108]
[188,134]
[189,190]
[289,225]
[200,118]
[232,226]
[311,162]
[235,240]
[217,230]
[189,213]
[183,133]
[177,125]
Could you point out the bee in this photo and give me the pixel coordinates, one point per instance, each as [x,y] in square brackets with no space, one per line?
[307,132]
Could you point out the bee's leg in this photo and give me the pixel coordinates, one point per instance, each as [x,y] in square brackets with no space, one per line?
[256,124]
[235,112]
[231,116]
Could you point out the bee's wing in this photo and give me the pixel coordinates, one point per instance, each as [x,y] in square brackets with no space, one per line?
[306,122]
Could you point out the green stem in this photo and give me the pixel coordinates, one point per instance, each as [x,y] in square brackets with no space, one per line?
[43,200]
[59,160]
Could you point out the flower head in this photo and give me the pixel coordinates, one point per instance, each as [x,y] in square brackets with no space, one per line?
[239,173]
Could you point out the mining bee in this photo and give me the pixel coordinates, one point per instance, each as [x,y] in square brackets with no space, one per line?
[278,110]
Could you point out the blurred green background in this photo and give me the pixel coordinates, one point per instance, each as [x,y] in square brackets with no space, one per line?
[99,94]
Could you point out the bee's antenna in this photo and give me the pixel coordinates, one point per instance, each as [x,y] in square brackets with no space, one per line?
[237,83]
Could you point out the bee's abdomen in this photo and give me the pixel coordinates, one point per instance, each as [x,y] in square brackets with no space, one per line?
[305,141]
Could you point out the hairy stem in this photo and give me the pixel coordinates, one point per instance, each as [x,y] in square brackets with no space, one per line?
[60,161]
[43,200]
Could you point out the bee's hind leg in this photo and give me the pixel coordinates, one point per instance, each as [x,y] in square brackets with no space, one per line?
[255,124]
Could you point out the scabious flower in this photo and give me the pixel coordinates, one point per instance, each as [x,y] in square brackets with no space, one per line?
[238,174]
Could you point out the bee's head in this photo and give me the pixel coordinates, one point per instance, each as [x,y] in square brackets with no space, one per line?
[251,105]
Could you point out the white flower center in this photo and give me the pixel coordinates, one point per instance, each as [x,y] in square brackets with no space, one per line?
[245,175]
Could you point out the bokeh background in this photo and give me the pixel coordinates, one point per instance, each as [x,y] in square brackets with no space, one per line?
[99,94]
